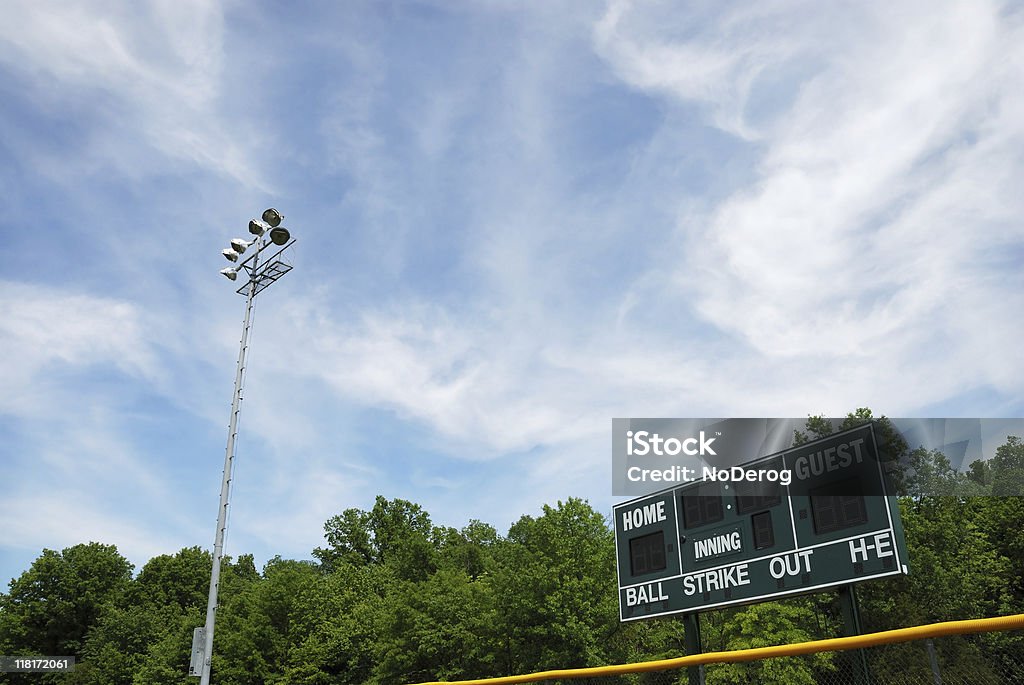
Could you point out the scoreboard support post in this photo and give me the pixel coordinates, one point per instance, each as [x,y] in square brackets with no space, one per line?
[933,660]
[852,626]
[692,642]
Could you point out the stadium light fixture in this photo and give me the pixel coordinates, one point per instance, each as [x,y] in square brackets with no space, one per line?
[240,244]
[273,217]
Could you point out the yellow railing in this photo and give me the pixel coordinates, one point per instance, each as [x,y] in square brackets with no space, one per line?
[979,625]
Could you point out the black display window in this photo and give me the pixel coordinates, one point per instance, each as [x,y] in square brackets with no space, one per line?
[647,554]
[837,506]
[702,505]
[764,533]
[758,495]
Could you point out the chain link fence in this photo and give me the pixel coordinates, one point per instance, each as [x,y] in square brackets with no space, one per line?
[954,660]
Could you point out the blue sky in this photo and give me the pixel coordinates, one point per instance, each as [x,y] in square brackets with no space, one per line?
[515,221]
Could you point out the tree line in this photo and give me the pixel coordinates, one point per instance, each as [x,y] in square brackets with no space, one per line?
[393,598]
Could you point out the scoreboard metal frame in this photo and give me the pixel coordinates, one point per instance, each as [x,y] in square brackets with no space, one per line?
[712,543]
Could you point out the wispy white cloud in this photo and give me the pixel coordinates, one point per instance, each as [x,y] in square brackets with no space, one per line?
[515,223]
[713,55]
[850,245]
[150,73]
[45,330]
[795,273]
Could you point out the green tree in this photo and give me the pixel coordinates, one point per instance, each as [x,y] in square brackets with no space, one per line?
[168,653]
[337,626]
[349,540]
[1008,468]
[256,625]
[929,473]
[395,532]
[980,473]
[555,589]
[117,647]
[1002,521]
[51,607]
[764,625]
[955,573]
[438,628]
[402,538]
[141,631]
[182,579]
[470,549]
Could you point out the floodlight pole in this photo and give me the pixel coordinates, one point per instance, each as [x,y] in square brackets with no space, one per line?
[258,280]
[225,485]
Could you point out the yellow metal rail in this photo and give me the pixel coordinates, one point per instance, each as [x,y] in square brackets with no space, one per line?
[978,625]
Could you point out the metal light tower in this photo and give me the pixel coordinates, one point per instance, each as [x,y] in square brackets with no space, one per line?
[268,234]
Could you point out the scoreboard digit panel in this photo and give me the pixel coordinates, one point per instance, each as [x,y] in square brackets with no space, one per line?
[647,554]
[713,543]
[648,548]
[747,518]
[838,488]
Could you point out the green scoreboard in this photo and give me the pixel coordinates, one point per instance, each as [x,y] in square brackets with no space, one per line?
[733,537]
